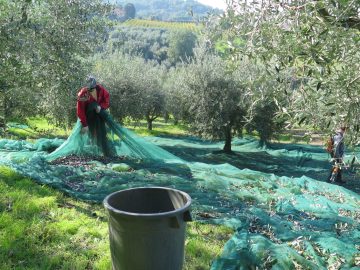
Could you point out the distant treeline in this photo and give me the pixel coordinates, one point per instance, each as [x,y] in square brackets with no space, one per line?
[170,10]
[169,44]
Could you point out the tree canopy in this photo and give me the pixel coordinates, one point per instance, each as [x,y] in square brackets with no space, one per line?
[41,47]
[310,47]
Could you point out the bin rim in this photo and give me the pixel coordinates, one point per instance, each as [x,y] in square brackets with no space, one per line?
[151,215]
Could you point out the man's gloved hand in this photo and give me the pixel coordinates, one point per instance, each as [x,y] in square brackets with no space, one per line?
[98,109]
[84,130]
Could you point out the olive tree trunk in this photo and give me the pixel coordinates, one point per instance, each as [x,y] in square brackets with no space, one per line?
[228,138]
[2,109]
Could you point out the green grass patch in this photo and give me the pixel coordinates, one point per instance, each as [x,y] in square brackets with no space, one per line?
[43,127]
[34,128]
[291,138]
[204,243]
[21,134]
[39,127]
[43,229]
[40,228]
[160,128]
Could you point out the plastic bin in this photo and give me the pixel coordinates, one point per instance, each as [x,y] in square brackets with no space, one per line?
[147,228]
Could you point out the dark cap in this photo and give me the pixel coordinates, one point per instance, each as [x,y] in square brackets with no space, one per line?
[91,82]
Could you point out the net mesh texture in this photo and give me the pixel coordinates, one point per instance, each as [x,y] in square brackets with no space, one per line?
[284,213]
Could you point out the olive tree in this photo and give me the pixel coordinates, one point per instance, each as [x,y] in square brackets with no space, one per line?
[265,98]
[134,84]
[313,43]
[152,95]
[215,100]
[41,47]
[175,101]
[181,45]
[2,109]
[116,73]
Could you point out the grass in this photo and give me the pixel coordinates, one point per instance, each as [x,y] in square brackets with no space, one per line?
[35,127]
[39,127]
[41,228]
[301,135]
[42,126]
[204,243]
[160,128]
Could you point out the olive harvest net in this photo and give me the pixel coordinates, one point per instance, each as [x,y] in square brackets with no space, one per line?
[284,213]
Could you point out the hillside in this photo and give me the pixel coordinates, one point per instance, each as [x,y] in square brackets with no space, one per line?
[170,10]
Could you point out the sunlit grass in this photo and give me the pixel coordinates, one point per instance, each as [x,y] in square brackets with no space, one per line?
[41,125]
[19,133]
[204,243]
[38,127]
[160,128]
[43,229]
[40,228]
[34,128]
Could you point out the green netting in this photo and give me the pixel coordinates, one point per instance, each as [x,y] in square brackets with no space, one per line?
[112,140]
[285,214]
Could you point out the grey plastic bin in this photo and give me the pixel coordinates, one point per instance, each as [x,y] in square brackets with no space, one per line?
[147,228]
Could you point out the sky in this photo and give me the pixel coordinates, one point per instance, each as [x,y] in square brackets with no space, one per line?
[214,3]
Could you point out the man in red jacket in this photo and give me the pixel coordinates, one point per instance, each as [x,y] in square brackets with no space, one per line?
[91,100]
[92,97]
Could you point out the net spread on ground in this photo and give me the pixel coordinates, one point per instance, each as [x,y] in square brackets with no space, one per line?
[284,213]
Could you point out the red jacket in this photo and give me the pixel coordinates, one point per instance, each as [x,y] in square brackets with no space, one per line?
[84,98]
